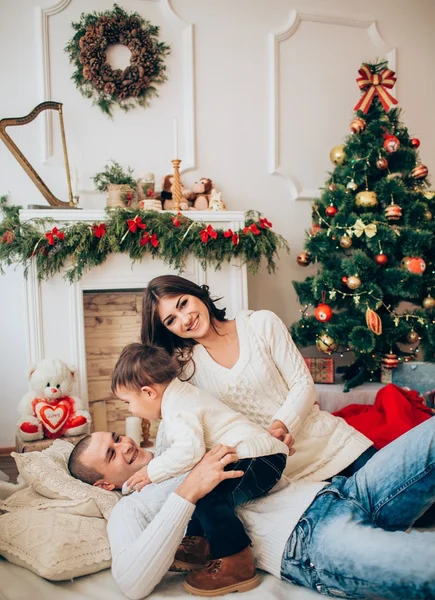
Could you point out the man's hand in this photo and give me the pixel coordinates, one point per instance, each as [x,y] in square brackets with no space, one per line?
[208,473]
[280,431]
[140,479]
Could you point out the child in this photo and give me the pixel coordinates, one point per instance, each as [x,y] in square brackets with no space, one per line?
[146,378]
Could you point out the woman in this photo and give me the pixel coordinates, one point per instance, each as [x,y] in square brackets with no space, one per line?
[251,364]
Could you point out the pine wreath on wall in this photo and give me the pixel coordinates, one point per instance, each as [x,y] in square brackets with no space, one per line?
[96,79]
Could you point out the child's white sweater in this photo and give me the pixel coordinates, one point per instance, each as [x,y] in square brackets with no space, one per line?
[194,422]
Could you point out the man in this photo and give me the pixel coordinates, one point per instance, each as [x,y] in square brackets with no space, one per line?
[347,538]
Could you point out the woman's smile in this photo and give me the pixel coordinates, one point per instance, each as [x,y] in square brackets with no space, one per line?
[194,325]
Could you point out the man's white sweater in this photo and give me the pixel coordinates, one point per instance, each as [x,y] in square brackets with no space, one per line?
[270,381]
[194,422]
[146,528]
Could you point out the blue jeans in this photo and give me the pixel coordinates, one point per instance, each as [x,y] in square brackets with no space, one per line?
[352,540]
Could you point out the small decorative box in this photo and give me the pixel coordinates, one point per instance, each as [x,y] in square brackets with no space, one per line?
[418,376]
[322,369]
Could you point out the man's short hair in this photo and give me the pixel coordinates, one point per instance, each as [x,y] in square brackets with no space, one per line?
[77,468]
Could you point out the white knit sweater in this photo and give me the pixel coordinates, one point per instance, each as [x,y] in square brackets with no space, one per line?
[194,422]
[146,528]
[271,381]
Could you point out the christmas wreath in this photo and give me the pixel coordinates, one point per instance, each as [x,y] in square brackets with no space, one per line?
[170,237]
[96,79]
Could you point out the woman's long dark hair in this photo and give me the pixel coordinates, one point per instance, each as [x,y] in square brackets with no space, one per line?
[153,331]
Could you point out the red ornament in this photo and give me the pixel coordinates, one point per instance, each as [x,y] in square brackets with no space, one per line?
[381,258]
[391,143]
[416,265]
[393,212]
[415,142]
[382,163]
[357,125]
[420,172]
[373,321]
[323,313]
[331,210]
[344,279]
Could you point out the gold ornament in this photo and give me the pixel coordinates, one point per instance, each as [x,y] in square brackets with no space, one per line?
[337,155]
[325,343]
[429,194]
[428,215]
[405,262]
[366,199]
[352,185]
[412,337]
[353,282]
[429,302]
[345,241]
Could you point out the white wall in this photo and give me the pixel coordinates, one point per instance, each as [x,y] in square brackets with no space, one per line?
[232,122]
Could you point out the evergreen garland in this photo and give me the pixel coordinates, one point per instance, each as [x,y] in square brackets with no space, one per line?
[165,235]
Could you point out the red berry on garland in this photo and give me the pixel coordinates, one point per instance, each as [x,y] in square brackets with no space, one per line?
[391,143]
[381,258]
[415,142]
[331,210]
[323,313]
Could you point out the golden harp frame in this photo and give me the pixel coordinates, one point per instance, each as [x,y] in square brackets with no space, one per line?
[16,152]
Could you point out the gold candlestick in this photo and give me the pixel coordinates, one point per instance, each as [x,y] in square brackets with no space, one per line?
[177,195]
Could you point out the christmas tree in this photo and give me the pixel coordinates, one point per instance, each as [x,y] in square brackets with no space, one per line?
[372,243]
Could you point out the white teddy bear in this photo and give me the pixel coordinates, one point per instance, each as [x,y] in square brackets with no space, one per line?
[49,410]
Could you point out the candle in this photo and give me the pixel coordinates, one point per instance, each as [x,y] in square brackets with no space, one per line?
[175,138]
[75,182]
[133,429]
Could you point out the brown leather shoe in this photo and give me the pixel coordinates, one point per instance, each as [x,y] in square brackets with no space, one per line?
[235,573]
[193,553]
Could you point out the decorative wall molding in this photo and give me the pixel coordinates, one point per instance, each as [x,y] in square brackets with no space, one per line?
[296,188]
[188,71]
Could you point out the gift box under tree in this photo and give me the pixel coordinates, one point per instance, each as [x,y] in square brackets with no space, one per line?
[416,375]
[322,369]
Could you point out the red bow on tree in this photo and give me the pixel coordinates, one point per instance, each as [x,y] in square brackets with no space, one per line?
[133,224]
[152,239]
[207,233]
[234,236]
[252,229]
[375,84]
[54,233]
[264,223]
[99,230]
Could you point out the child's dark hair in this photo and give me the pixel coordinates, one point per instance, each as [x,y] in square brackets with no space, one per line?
[168,286]
[140,365]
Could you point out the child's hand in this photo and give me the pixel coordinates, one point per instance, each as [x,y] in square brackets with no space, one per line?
[138,480]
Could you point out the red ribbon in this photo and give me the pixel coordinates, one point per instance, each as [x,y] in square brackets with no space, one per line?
[152,239]
[234,236]
[99,230]
[252,229]
[54,233]
[133,224]
[264,223]
[375,84]
[207,233]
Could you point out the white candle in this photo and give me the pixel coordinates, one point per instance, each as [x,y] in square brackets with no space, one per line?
[75,182]
[175,138]
[133,429]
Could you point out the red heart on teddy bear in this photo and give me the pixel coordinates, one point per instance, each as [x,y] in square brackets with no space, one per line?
[53,416]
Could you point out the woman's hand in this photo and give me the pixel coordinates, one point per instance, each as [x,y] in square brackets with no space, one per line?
[208,473]
[280,431]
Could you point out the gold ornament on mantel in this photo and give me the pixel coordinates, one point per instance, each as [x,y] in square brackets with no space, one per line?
[325,343]
[353,282]
[429,302]
[345,241]
[337,155]
[366,199]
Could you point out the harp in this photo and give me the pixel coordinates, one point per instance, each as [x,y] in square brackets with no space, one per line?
[40,184]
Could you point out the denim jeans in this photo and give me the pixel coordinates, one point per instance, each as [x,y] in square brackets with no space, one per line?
[352,541]
[214,515]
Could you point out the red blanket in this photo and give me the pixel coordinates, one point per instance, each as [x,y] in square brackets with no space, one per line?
[394,412]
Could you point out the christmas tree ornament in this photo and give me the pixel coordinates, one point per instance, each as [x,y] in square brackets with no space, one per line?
[420,172]
[315,228]
[352,185]
[325,343]
[373,321]
[357,125]
[375,84]
[429,302]
[303,259]
[412,337]
[366,199]
[390,361]
[337,155]
[381,258]
[391,143]
[427,215]
[323,313]
[353,282]
[404,262]
[345,241]
[331,210]
[393,212]
[344,279]
[429,194]
[416,265]
[332,187]
[359,227]
[382,163]
[415,142]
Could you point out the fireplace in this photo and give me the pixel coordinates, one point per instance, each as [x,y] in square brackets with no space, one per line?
[56,309]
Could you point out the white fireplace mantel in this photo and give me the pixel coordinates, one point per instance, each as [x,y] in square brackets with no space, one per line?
[54,319]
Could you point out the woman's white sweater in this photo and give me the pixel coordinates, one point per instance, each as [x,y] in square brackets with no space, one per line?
[146,528]
[271,381]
